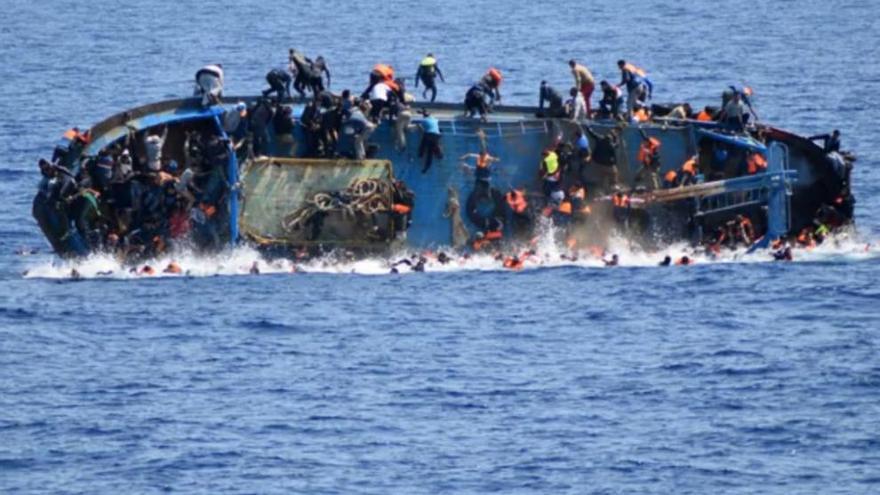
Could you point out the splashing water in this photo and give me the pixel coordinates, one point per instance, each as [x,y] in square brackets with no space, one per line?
[246,260]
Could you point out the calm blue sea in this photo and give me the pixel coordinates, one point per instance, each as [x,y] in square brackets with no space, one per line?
[735,377]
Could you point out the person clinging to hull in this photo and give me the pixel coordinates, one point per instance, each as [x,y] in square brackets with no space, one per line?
[427,73]
[430,147]
[584,82]
[649,158]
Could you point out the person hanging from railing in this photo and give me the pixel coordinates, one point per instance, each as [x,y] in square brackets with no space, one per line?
[649,158]
[687,174]
[430,146]
[605,155]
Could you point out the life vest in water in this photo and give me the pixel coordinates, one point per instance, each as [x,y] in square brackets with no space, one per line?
[620,200]
[670,177]
[647,151]
[756,163]
[516,200]
[565,208]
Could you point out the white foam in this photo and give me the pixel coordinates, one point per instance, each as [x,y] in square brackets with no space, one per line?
[845,247]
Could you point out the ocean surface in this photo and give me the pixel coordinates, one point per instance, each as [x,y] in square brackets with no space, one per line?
[741,376]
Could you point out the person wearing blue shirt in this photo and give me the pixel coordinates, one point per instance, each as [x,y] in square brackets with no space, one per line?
[430,147]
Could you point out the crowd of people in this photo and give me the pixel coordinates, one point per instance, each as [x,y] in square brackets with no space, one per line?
[132,199]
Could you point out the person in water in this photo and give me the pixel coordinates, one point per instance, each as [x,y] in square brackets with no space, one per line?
[427,73]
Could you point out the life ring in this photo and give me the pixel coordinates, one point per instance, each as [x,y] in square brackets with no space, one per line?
[483,205]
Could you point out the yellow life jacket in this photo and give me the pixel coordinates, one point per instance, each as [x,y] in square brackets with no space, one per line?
[551,163]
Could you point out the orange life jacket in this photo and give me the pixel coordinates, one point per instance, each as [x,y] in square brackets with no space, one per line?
[385,71]
[756,163]
[670,177]
[648,149]
[690,166]
[704,116]
[641,115]
[620,200]
[494,235]
[483,160]
[172,267]
[565,208]
[495,74]
[74,134]
[635,70]
[401,209]
[208,210]
[513,263]
[517,201]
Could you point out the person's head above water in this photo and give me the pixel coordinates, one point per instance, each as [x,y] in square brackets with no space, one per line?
[572,63]
[621,63]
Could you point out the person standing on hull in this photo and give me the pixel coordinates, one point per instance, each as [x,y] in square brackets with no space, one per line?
[486,88]
[576,107]
[279,83]
[584,82]
[555,109]
[427,73]
[430,147]
[635,80]
[209,84]
[316,75]
[296,66]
